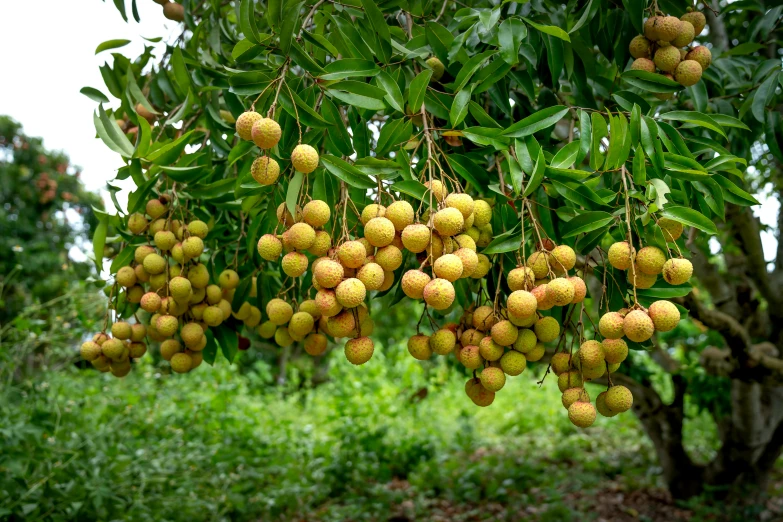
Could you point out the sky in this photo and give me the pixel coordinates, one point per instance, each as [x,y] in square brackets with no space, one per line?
[49,55]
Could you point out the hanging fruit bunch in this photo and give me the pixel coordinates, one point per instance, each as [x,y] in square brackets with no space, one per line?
[331,166]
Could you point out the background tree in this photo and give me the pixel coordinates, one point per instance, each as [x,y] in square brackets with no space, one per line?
[526,105]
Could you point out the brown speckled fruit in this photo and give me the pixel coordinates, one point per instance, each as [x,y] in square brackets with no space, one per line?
[561,363]
[419,347]
[639,47]
[643,64]
[401,214]
[266,133]
[521,278]
[265,170]
[672,230]
[538,262]
[513,363]
[571,395]
[413,283]
[448,222]
[304,158]
[665,316]
[611,325]
[677,271]
[416,237]
[269,247]
[379,231]
[688,72]
[543,298]
[470,357]
[667,58]
[504,333]
[448,267]
[582,414]
[245,124]
[697,20]
[489,349]
[638,326]
[478,394]
[562,258]
[560,290]
[469,260]
[620,255]
[686,34]
[615,350]
[591,354]
[316,213]
[521,303]
[279,311]
[350,293]
[439,294]
[359,350]
[619,398]
[352,254]
[493,378]
[547,329]
[294,264]
[483,318]
[443,341]
[650,260]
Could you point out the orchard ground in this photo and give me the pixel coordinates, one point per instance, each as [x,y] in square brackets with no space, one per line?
[392,440]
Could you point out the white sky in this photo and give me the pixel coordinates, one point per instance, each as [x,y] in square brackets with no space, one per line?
[49,55]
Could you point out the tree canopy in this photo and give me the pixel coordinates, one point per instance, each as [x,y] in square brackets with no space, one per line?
[538,151]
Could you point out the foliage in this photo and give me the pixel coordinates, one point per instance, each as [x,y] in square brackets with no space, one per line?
[45,211]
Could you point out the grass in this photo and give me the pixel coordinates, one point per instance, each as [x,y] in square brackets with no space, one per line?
[218,444]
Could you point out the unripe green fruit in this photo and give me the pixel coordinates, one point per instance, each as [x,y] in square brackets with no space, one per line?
[120,368]
[504,333]
[419,347]
[668,28]
[156,226]
[513,363]
[214,294]
[490,350]
[301,324]
[572,395]
[279,311]
[228,279]
[615,350]
[638,326]
[379,231]
[581,414]
[155,208]
[267,329]
[677,271]
[192,247]
[198,275]
[301,236]
[643,64]
[121,330]
[401,214]
[437,68]
[154,264]
[294,264]
[672,230]
[181,362]
[484,318]
[326,300]
[600,405]
[126,277]
[213,315]
[413,283]
[620,255]
[359,350]
[113,349]
[639,47]
[478,394]
[569,379]
[322,243]
[560,291]
[137,350]
[142,252]
[635,277]
[371,275]
[439,294]
[389,257]
[482,213]
[269,247]
[304,158]
[688,72]
[167,325]
[650,260]
[283,337]
[667,58]
[265,133]
[137,223]
[591,354]
[253,318]
[526,341]
[686,34]
[471,337]
[180,288]
[697,20]
[352,254]
[665,316]
[483,266]
[316,213]
[492,378]
[618,399]
[547,329]
[350,293]
[416,237]
[448,222]
[538,262]
[611,325]
[443,341]
[285,218]
[245,123]
[90,351]
[165,240]
[198,228]
[315,344]
[191,334]
[561,363]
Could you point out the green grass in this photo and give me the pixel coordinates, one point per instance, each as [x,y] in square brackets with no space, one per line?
[217,444]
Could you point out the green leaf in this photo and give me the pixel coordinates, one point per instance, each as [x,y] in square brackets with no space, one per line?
[123,258]
[600,131]
[694,118]
[290,23]
[358,100]
[549,29]
[725,120]
[651,82]
[393,133]
[504,243]
[459,107]
[300,110]
[380,27]
[660,189]
[210,350]
[111,134]
[510,35]
[585,135]
[538,175]
[418,89]
[730,189]
[586,222]
[292,195]
[690,217]
[468,170]
[245,50]
[763,96]
[743,48]
[347,172]
[566,156]
[111,44]
[180,70]
[228,341]
[663,290]
[469,69]
[393,94]
[536,122]
[303,60]
[639,167]
[412,188]
[137,198]
[348,68]
[94,94]
[247,20]
[168,153]
[99,240]
[578,193]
